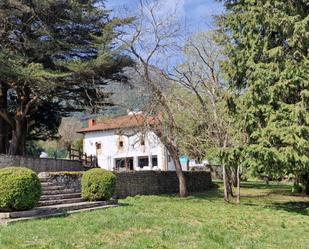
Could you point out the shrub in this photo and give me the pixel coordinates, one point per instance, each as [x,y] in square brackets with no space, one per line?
[98,185]
[297,188]
[20,189]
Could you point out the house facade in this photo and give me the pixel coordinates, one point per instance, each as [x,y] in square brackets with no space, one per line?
[122,144]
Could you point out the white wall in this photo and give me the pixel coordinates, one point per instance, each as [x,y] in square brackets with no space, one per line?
[131,148]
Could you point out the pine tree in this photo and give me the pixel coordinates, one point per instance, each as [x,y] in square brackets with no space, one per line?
[3,125]
[53,53]
[267,44]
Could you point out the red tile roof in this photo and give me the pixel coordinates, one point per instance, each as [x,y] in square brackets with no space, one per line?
[127,121]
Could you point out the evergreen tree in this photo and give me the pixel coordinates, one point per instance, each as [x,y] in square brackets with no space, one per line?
[54,53]
[3,125]
[267,44]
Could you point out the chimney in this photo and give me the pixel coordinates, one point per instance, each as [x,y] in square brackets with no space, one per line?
[91,123]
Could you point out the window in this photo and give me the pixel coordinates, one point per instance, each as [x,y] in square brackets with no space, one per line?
[120,143]
[98,146]
[124,163]
[120,163]
[154,160]
[142,142]
[143,162]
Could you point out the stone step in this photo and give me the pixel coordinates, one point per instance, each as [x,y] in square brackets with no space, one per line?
[19,214]
[61,201]
[59,192]
[55,209]
[35,217]
[92,208]
[47,184]
[57,213]
[59,196]
[45,179]
[79,205]
[49,188]
[29,213]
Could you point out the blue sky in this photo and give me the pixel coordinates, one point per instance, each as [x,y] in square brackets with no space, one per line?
[198,13]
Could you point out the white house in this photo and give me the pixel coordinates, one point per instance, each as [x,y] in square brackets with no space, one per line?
[120,144]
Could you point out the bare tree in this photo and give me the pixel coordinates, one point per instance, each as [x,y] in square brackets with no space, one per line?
[68,132]
[152,39]
[200,74]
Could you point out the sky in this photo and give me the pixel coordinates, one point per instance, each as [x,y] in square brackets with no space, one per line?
[198,13]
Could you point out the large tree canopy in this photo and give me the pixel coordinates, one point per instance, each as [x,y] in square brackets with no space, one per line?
[54,53]
[267,44]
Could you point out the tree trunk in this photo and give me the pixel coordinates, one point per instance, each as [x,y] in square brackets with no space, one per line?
[18,142]
[305,181]
[181,178]
[238,184]
[4,132]
[225,184]
[174,153]
[307,188]
[234,176]
[229,178]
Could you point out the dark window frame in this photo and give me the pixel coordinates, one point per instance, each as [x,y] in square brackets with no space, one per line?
[124,163]
[98,146]
[143,161]
[154,158]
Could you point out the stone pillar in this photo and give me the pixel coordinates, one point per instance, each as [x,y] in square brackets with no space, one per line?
[150,160]
[164,166]
[135,162]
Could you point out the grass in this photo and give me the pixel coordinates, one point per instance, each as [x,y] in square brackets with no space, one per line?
[268,217]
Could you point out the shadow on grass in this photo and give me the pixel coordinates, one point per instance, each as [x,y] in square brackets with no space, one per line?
[260,185]
[282,192]
[122,204]
[213,193]
[292,206]
[261,199]
[256,199]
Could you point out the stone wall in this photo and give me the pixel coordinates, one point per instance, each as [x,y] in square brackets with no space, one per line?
[40,164]
[141,182]
[159,182]
[71,180]
[216,171]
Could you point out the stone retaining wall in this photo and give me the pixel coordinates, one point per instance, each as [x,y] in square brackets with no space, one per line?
[142,182]
[40,164]
[216,171]
[159,182]
[71,180]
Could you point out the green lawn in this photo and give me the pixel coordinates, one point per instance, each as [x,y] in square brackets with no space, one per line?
[269,217]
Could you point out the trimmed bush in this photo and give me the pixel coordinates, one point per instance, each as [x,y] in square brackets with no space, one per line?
[98,185]
[20,189]
[298,188]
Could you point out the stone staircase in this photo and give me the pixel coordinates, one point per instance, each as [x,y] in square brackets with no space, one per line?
[56,200]
[57,194]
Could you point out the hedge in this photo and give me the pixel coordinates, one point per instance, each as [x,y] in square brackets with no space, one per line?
[20,189]
[98,185]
